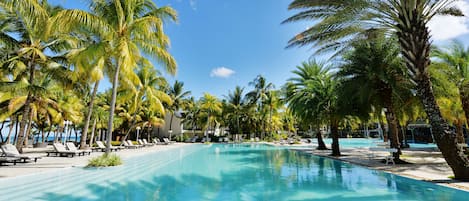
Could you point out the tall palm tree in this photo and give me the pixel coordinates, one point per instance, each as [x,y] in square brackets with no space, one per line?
[211,106]
[130,27]
[235,107]
[179,98]
[37,35]
[346,21]
[457,58]
[312,96]
[375,74]
[259,95]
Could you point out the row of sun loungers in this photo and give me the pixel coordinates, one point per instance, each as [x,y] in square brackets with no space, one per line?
[11,155]
[70,151]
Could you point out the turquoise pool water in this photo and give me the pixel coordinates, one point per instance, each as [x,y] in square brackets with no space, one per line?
[366,142]
[224,172]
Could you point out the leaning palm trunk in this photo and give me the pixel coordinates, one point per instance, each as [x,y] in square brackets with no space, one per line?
[414,39]
[26,110]
[93,130]
[84,134]
[335,137]
[115,84]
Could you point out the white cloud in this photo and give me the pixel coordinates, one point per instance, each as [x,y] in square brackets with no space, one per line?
[222,72]
[193,4]
[448,27]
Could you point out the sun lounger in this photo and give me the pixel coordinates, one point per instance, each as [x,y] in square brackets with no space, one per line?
[60,150]
[8,159]
[10,151]
[102,147]
[145,142]
[140,142]
[130,143]
[166,140]
[194,139]
[72,147]
[158,142]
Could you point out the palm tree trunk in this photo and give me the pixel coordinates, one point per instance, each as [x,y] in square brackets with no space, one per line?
[335,137]
[393,130]
[26,110]
[93,129]
[321,144]
[414,39]
[15,139]
[28,130]
[8,141]
[84,133]
[115,84]
[444,136]
[1,135]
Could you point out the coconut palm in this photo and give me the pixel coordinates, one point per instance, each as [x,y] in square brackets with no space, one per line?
[338,23]
[312,95]
[457,58]
[298,87]
[34,21]
[259,95]
[374,74]
[179,100]
[130,27]
[235,107]
[212,107]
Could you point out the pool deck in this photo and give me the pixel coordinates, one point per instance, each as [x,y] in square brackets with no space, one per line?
[426,164]
[56,163]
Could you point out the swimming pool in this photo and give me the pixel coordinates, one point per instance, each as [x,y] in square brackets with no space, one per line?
[368,142]
[224,172]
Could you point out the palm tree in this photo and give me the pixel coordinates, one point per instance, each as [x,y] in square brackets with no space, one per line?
[130,27]
[89,61]
[312,96]
[374,74]
[235,107]
[192,116]
[457,58]
[34,21]
[211,106]
[408,19]
[178,96]
[259,95]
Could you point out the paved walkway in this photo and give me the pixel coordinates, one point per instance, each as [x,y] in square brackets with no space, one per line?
[56,163]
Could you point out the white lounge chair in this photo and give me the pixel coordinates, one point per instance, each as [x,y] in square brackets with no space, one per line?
[72,147]
[130,143]
[166,140]
[102,147]
[60,150]
[8,159]
[10,151]
[145,142]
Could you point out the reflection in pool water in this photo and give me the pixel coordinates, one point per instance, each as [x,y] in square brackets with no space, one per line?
[225,172]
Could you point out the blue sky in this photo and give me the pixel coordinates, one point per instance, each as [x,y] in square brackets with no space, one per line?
[219,44]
